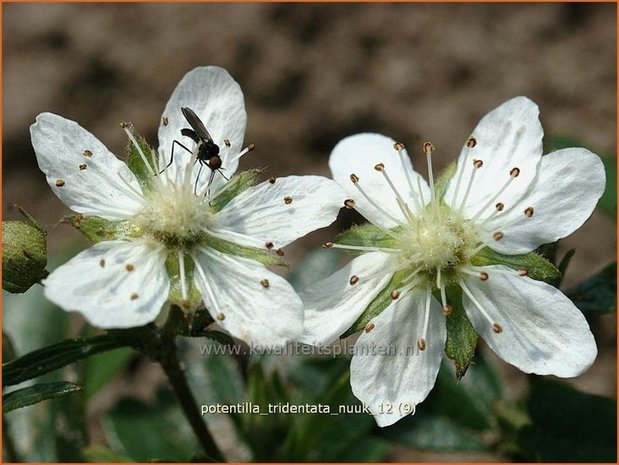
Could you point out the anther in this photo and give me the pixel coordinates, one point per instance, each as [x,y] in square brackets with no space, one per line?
[129,267]
[327,245]
[271,180]
[428,148]
[349,203]
[529,211]
[269,245]
[354,178]
[59,182]
[280,252]
[251,147]
[398,146]
[523,272]
[500,206]
[514,172]
[83,166]
[478,163]
[125,124]
[395,294]
[497,328]
[264,283]
[447,309]
[87,153]
[354,279]
[421,343]
[379,167]
[369,327]
[497,236]
[164,120]
[471,142]
[221,316]
[483,276]
[287,200]
[102,263]
[227,142]
[134,296]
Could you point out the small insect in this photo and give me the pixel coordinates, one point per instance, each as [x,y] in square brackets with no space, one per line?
[207,150]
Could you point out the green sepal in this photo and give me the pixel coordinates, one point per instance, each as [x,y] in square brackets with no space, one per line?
[537,267]
[366,235]
[36,393]
[176,295]
[442,182]
[265,257]
[98,229]
[380,303]
[135,162]
[24,255]
[239,183]
[461,336]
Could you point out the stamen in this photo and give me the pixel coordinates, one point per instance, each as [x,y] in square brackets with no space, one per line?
[421,343]
[477,272]
[349,204]
[181,267]
[428,148]
[470,143]
[477,164]
[395,294]
[497,236]
[496,196]
[209,291]
[529,211]
[329,245]
[523,272]
[401,203]
[245,151]
[355,180]
[479,307]
[399,147]
[369,327]
[354,279]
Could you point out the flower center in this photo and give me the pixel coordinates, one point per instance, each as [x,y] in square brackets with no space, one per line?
[173,215]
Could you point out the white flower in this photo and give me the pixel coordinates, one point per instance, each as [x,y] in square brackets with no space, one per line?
[166,220]
[504,196]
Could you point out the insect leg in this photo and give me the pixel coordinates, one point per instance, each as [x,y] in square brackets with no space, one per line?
[195,186]
[172,154]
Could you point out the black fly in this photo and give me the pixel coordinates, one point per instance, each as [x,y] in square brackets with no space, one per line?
[208,150]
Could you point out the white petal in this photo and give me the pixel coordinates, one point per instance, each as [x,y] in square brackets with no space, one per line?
[565,192]
[283,211]
[217,99]
[333,304]
[508,137]
[81,171]
[359,154]
[231,286]
[387,368]
[114,284]
[543,332]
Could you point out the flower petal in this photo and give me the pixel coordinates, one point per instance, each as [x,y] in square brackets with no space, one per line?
[508,137]
[358,155]
[282,211]
[567,188]
[217,100]
[333,304]
[114,284]
[542,331]
[81,171]
[246,299]
[387,367]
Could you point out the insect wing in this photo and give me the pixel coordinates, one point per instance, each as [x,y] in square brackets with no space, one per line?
[196,124]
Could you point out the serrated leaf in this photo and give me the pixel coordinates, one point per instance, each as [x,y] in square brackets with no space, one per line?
[37,393]
[265,257]
[537,266]
[237,184]
[366,235]
[568,425]
[461,336]
[56,356]
[597,295]
[136,164]
[99,229]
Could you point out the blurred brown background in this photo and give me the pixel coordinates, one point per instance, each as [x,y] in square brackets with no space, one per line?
[311,75]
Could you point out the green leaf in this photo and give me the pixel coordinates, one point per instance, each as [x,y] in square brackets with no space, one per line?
[237,184]
[565,261]
[537,267]
[99,369]
[150,432]
[366,235]
[266,257]
[35,394]
[100,454]
[99,229]
[461,336]
[442,182]
[135,162]
[568,425]
[608,202]
[56,356]
[597,295]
